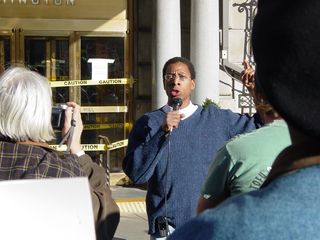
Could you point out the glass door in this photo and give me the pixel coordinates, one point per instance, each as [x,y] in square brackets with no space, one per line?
[49,56]
[103,58]
[87,69]
[5,53]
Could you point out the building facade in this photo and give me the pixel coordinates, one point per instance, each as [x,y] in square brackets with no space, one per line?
[82,47]
[107,55]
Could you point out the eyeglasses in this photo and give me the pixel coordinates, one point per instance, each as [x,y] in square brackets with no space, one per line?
[172,76]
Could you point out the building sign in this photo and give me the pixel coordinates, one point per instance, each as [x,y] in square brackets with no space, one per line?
[106,13]
[38,2]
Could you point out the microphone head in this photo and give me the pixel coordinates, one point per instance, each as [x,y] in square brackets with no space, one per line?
[176,103]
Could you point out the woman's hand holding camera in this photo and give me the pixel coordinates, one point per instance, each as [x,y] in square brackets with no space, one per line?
[73,117]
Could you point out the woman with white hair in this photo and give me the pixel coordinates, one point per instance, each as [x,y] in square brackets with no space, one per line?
[25,129]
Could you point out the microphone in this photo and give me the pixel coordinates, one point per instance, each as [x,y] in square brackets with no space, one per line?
[175,104]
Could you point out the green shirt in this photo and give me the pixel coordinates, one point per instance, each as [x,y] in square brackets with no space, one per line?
[244,162]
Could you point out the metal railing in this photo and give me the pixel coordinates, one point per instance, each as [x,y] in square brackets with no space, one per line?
[247,9]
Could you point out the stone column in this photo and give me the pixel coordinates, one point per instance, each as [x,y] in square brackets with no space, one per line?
[204,52]
[166,44]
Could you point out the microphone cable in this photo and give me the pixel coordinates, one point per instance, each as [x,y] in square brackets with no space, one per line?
[166,184]
[176,103]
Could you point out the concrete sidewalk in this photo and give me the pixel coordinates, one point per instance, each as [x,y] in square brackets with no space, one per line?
[132,226]
[133,217]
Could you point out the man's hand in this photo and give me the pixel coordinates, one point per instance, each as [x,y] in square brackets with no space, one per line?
[172,120]
[247,76]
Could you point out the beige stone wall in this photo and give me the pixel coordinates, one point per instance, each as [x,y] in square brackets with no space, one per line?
[230,88]
[237,23]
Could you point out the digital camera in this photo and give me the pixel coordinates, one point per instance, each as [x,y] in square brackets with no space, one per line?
[57,116]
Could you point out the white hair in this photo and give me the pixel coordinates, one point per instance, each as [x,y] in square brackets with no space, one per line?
[25,106]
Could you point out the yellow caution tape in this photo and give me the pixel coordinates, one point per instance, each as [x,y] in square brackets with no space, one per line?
[105,126]
[117,145]
[72,83]
[104,109]
[85,147]
[94,147]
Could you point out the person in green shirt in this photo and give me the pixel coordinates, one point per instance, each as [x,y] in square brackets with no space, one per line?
[244,162]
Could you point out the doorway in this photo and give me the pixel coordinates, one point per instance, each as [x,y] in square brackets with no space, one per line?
[70,58]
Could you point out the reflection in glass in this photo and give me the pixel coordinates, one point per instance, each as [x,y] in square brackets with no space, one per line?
[49,56]
[102,48]
[4,53]
[111,125]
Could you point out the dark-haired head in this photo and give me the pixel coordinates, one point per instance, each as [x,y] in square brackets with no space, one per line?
[182,60]
[285,37]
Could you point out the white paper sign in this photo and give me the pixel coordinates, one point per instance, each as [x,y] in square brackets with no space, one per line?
[100,68]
